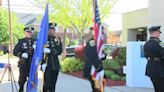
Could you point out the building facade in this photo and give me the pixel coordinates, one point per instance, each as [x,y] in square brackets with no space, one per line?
[113,38]
[135,26]
[156,15]
[135,61]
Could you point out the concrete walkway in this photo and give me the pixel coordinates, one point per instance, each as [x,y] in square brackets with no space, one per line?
[65,83]
[129,89]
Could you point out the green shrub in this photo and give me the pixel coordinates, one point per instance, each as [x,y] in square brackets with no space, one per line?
[123,78]
[111,64]
[71,64]
[114,65]
[106,64]
[121,57]
[115,77]
[109,73]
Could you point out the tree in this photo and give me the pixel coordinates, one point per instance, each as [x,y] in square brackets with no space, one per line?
[77,14]
[4,27]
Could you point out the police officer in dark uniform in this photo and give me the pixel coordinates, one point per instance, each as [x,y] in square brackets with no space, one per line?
[24,50]
[154,52]
[91,58]
[53,50]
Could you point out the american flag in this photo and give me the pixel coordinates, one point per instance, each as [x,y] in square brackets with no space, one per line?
[98,37]
[98,30]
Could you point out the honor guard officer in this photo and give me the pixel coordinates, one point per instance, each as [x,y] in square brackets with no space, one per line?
[91,58]
[24,50]
[154,52]
[51,66]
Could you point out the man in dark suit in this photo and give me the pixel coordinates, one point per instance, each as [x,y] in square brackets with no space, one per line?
[154,52]
[51,66]
[24,50]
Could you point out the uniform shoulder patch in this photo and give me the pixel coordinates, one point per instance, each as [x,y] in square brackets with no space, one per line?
[92,43]
[161,44]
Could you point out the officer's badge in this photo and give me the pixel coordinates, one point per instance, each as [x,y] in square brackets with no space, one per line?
[47,45]
[29,43]
[92,43]
[52,42]
[161,44]
[24,45]
[55,39]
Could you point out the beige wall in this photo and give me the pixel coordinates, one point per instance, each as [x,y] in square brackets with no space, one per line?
[156,8]
[131,20]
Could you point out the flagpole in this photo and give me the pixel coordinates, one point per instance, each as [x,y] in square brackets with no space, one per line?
[10,32]
[93,8]
[94,24]
[10,38]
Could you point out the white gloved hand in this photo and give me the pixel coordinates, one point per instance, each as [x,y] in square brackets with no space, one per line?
[46,50]
[34,46]
[43,67]
[25,55]
[103,55]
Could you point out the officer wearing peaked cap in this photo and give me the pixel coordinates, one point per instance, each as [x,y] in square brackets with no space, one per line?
[52,25]
[92,59]
[154,52]
[24,50]
[29,29]
[50,65]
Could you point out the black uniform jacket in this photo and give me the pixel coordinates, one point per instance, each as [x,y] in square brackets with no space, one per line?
[55,46]
[91,58]
[24,45]
[154,53]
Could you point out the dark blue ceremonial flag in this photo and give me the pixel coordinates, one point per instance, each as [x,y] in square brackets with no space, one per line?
[38,53]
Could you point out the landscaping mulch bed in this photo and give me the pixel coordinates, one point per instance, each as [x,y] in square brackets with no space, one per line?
[109,82]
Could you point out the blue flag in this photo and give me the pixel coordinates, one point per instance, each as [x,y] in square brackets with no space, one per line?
[38,53]
[2,65]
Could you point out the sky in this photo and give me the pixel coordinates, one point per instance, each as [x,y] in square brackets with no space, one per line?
[122,6]
[23,6]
